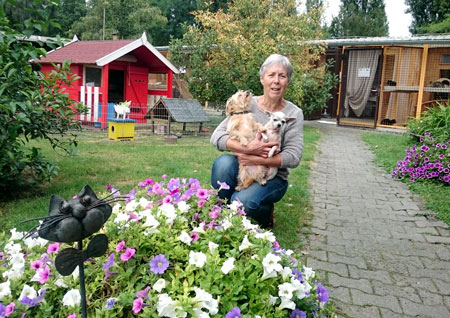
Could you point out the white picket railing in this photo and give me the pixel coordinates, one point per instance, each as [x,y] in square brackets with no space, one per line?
[89,96]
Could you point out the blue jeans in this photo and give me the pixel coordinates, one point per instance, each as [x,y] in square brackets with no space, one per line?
[258,199]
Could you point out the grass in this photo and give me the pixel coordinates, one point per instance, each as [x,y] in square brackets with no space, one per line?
[388,150]
[99,162]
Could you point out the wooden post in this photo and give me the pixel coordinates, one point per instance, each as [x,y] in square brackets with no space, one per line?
[381,93]
[105,79]
[423,69]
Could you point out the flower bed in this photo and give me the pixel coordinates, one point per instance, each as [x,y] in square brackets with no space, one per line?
[175,250]
[429,161]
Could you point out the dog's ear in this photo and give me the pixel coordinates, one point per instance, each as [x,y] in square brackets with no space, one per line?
[268,113]
[229,106]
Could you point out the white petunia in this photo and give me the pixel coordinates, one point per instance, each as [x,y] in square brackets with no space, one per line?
[289,252]
[168,210]
[269,236]
[286,290]
[116,208]
[199,313]
[150,221]
[199,228]
[267,274]
[228,265]
[28,291]
[287,303]
[167,307]
[76,273]
[212,247]
[72,298]
[143,202]
[286,273]
[131,206]
[5,289]
[245,244]
[272,300]
[235,205]
[159,285]
[270,263]
[308,272]
[60,283]
[248,225]
[183,206]
[15,235]
[42,242]
[122,217]
[14,273]
[12,248]
[18,261]
[300,289]
[226,224]
[206,300]
[197,258]
[185,238]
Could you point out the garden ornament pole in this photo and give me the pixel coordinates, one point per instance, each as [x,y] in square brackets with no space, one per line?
[72,221]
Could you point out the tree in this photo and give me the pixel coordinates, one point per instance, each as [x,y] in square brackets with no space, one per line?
[68,12]
[428,12]
[33,105]
[129,19]
[360,18]
[223,51]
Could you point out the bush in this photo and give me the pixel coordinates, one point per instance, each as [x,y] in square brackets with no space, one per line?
[429,161]
[33,105]
[435,121]
[175,250]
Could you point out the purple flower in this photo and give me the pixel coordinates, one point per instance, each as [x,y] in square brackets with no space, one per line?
[44,275]
[298,275]
[129,252]
[223,185]
[234,313]
[167,199]
[143,293]
[109,262]
[37,264]
[74,315]
[149,181]
[164,176]
[322,293]
[53,248]
[195,236]
[173,184]
[108,273]
[35,301]
[158,264]
[297,313]
[110,303]
[137,305]
[2,310]
[201,203]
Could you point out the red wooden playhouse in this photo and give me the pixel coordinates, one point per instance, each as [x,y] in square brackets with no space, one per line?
[112,72]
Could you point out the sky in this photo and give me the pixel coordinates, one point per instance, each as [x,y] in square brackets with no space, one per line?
[399,21]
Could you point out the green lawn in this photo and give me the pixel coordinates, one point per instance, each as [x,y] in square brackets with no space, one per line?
[123,164]
[388,150]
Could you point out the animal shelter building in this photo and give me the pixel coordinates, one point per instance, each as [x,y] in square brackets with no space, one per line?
[385,81]
[112,72]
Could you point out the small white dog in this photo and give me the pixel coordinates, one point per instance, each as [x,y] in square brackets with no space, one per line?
[259,173]
[122,109]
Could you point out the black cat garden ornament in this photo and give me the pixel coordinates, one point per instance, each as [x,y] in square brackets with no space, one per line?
[73,220]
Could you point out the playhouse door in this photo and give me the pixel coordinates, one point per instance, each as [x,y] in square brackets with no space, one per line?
[360,87]
[136,92]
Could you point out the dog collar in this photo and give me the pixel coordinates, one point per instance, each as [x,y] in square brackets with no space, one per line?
[241,113]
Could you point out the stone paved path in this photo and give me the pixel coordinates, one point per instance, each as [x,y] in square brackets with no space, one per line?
[376,248]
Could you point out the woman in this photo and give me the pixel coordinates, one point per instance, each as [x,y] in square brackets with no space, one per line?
[258,200]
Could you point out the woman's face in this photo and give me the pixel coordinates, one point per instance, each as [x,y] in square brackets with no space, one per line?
[274,81]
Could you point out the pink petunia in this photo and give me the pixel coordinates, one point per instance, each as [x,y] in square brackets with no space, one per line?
[129,252]
[44,275]
[201,203]
[37,264]
[202,193]
[74,315]
[167,199]
[137,305]
[9,309]
[53,248]
[195,236]
[120,246]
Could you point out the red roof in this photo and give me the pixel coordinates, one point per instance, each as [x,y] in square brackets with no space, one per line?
[84,52]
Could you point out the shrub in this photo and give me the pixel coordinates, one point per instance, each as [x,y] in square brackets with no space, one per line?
[175,250]
[430,160]
[435,120]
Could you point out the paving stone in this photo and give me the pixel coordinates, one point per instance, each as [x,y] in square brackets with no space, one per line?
[340,269]
[443,287]
[363,299]
[386,313]
[430,299]
[320,255]
[396,291]
[435,264]
[421,310]
[357,261]
[361,284]
[358,311]
[340,294]
[378,275]
[419,283]
[437,239]
[443,252]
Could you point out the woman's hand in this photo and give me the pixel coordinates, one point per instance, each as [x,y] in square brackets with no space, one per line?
[258,147]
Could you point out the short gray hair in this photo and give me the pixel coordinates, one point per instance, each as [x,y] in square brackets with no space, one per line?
[277,59]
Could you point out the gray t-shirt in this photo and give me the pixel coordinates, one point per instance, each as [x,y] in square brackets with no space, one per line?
[291,135]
